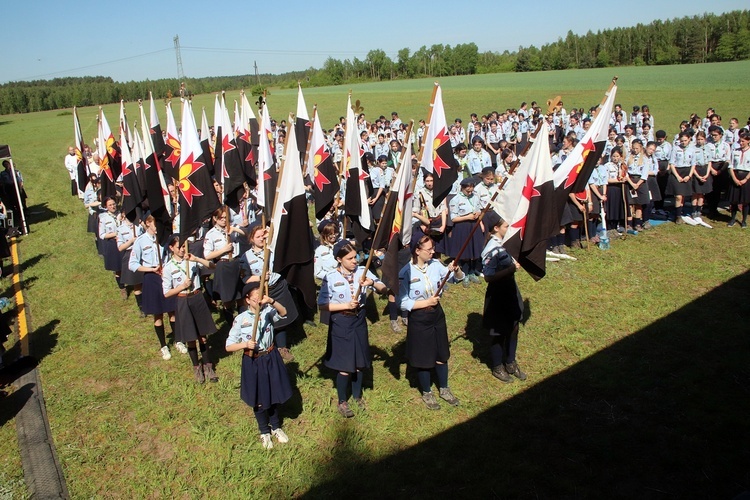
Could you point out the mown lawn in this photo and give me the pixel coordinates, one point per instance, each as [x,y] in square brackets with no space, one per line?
[611,342]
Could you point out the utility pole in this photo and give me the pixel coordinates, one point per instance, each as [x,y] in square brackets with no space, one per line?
[255,64]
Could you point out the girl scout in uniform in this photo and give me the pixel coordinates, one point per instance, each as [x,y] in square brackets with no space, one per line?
[427,344]
[739,173]
[325,261]
[638,194]
[127,232]
[464,212]
[680,166]
[146,258]
[221,249]
[503,305]
[251,267]
[108,224]
[181,278]
[348,347]
[264,383]
[701,175]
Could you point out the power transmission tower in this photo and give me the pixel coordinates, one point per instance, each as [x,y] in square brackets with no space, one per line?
[255,63]
[180,71]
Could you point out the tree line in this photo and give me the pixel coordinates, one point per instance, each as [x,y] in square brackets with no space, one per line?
[686,40]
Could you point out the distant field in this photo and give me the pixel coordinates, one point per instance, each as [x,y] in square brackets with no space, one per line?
[672,93]
[637,357]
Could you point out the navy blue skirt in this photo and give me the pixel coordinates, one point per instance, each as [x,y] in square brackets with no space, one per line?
[264,381]
[348,346]
[458,236]
[128,277]
[112,259]
[427,338]
[614,206]
[739,194]
[92,226]
[153,296]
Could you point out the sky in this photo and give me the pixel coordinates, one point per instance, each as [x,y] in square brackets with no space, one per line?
[48,39]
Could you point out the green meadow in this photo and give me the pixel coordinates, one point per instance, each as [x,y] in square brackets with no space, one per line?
[637,357]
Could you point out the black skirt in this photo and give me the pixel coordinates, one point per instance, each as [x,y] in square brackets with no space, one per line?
[676,188]
[112,259]
[739,194]
[571,213]
[503,306]
[227,280]
[92,225]
[638,196]
[73,187]
[427,338]
[264,381]
[458,236]
[653,188]
[128,277]
[192,318]
[615,208]
[348,345]
[377,207]
[280,293]
[702,187]
[153,296]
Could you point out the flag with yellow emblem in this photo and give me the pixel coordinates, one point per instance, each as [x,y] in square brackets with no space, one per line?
[321,171]
[198,199]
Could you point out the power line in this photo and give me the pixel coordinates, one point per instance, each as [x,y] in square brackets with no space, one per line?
[94,65]
[270,51]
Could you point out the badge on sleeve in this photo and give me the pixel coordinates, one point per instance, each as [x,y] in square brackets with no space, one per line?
[341,295]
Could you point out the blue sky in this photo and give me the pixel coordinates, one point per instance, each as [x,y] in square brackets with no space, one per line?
[47,39]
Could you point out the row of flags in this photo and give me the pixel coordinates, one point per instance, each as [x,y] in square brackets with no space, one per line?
[532,200]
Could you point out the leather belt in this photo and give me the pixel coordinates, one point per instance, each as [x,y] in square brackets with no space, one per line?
[257,354]
[188,294]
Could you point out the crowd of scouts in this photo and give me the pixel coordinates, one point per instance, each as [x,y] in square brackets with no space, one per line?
[221,266]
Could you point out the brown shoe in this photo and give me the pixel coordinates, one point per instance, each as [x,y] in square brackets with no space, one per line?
[210,374]
[123,293]
[286,355]
[198,372]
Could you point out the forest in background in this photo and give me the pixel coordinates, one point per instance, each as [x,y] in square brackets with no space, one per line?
[686,40]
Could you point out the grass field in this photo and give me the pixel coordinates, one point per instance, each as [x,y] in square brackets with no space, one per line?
[637,357]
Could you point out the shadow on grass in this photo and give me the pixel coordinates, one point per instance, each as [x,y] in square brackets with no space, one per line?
[31,262]
[661,413]
[40,213]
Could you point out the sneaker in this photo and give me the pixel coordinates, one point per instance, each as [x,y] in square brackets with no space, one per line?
[265,440]
[280,435]
[647,225]
[210,374]
[703,223]
[743,225]
[499,373]
[430,401]
[361,403]
[123,294]
[474,278]
[679,220]
[198,373]
[620,229]
[731,223]
[395,327]
[181,348]
[345,411]
[513,369]
[405,320]
[447,395]
[165,354]
[632,231]
[639,228]
[465,282]
[286,355]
